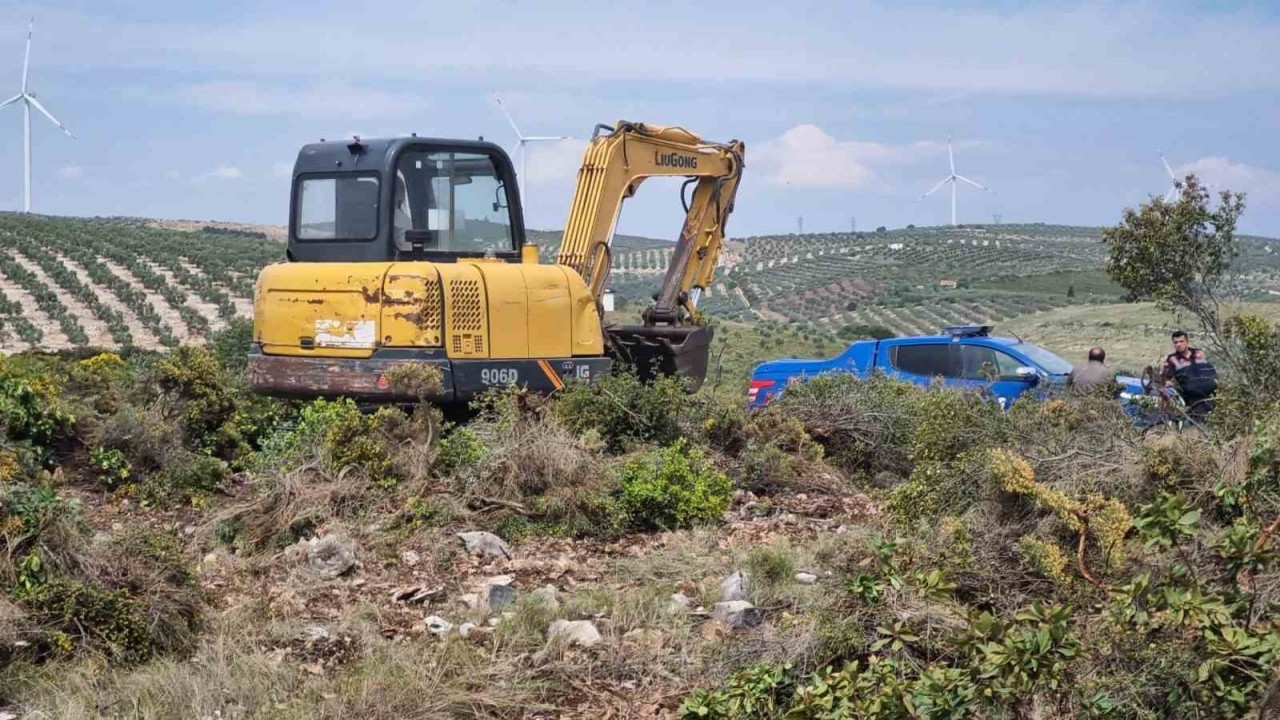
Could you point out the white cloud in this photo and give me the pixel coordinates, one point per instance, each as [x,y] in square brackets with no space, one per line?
[325,99]
[553,160]
[806,156]
[71,172]
[1260,183]
[221,172]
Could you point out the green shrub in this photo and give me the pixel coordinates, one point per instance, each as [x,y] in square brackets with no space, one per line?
[724,426]
[74,615]
[344,437]
[865,426]
[194,379]
[950,422]
[625,410]
[770,566]
[186,479]
[460,449]
[41,533]
[230,345]
[356,440]
[937,488]
[110,467]
[32,408]
[675,487]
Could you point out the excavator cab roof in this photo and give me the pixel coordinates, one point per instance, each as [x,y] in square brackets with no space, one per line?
[368,200]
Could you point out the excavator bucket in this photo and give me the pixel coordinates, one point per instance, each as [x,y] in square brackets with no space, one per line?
[664,351]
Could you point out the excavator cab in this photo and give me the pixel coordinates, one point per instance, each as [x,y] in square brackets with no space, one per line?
[402,199]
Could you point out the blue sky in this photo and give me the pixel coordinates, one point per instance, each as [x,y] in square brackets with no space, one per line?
[196,110]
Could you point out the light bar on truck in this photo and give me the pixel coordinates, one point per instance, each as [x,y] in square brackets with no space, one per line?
[967,330]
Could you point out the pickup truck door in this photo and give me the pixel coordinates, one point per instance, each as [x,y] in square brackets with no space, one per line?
[993,370]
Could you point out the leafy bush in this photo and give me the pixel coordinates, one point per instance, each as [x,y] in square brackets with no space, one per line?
[460,449]
[991,664]
[195,381]
[187,478]
[41,533]
[624,410]
[342,436]
[672,488]
[32,409]
[231,345]
[110,467]
[75,615]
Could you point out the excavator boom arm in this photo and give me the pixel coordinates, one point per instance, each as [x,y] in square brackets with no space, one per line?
[615,164]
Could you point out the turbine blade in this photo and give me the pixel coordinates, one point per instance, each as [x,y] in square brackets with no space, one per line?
[534,138]
[1171,195]
[1166,166]
[510,119]
[951,156]
[975,184]
[11,100]
[936,187]
[26,57]
[49,115]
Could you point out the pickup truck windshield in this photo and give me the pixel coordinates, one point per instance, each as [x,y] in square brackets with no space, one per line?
[1045,359]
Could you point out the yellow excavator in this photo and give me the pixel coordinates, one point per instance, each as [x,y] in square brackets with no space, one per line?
[412,251]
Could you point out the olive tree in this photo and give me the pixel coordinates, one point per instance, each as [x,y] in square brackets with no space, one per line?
[1180,255]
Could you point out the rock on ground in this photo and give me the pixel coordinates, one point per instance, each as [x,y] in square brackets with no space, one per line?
[437,625]
[737,614]
[575,632]
[806,578]
[496,592]
[485,543]
[546,596]
[330,556]
[734,587]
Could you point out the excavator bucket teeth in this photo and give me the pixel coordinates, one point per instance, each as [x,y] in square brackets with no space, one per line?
[664,351]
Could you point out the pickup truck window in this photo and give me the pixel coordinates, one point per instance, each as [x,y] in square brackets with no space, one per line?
[926,359]
[984,363]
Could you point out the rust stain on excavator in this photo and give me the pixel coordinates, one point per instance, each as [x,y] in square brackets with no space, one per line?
[373,297]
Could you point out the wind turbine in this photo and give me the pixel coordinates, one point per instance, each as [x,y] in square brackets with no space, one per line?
[953,178]
[28,100]
[1174,188]
[522,142]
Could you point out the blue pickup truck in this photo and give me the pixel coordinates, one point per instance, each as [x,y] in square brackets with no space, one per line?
[961,356]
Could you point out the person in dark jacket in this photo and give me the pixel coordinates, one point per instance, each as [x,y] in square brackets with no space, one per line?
[1189,370]
[1094,377]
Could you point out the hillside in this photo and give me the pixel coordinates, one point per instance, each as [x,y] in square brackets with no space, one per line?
[918,279]
[123,282]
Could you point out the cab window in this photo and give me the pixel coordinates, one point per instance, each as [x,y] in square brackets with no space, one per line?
[458,199]
[337,207]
